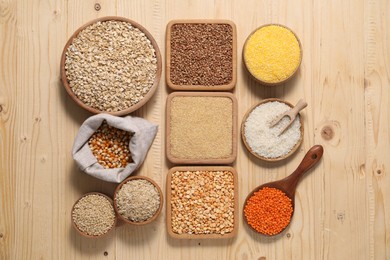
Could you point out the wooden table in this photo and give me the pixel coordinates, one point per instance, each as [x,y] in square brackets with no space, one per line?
[342,206]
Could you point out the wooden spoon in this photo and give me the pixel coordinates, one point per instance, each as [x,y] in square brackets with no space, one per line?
[288,185]
[291,113]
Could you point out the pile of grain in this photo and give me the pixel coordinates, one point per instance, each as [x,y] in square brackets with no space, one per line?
[137,200]
[202,202]
[93,215]
[201,54]
[111,65]
[201,127]
[272,53]
[268,211]
[110,146]
[265,140]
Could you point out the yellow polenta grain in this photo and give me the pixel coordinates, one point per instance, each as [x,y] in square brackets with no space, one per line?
[272,53]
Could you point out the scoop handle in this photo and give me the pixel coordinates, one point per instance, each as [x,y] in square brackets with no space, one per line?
[299,106]
[311,158]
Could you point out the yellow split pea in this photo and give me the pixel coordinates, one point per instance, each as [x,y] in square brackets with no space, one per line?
[272,54]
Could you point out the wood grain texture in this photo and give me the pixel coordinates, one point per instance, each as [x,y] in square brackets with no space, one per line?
[341,207]
[8,76]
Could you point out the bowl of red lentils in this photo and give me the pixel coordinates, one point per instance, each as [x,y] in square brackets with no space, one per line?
[268,210]
[93,215]
[112,65]
[272,54]
[138,200]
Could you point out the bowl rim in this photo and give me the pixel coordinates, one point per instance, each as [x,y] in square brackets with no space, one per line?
[156,214]
[85,234]
[132,108]
[293,149]
[292,74]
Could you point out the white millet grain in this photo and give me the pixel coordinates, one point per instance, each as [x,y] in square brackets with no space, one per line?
[201,127]
[202,202]
[137,200]
[265,140]
[111,65]
[94,215]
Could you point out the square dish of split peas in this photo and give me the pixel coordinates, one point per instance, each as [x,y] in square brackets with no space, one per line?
[202,202]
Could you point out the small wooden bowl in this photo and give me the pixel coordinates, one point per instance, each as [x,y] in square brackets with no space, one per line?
[155,214]
[169,205]
[133,107]
[223,87]
[85,234]
[230,159]
[246,143]
[260,80]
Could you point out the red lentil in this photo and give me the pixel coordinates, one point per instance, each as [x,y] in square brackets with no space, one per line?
[268,211]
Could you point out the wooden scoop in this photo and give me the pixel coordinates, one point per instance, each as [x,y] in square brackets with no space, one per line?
[288,185]
[291,113]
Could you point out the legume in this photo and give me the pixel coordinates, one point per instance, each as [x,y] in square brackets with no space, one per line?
[202,202]
[268,211]
[110,146]
[201,127]
[201,54]
[265,140]
[272,53]
[111,65]
[93,215]
[137,200]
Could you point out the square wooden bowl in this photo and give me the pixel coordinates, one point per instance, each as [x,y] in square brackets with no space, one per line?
[217,87]
[169,213]
[185,144]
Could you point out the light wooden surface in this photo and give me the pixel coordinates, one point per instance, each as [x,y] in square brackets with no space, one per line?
[342,206]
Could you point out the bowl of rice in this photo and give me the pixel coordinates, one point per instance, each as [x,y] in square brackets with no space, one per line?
[138,200]
[269,143]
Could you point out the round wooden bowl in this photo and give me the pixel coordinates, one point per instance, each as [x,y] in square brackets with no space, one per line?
[85,234]
[259,79]
[133,107]
[155,214]
[250,149]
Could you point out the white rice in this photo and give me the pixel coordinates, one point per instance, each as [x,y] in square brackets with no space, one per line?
[265,140]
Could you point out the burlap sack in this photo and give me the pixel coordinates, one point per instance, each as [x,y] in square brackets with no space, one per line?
[143,136]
